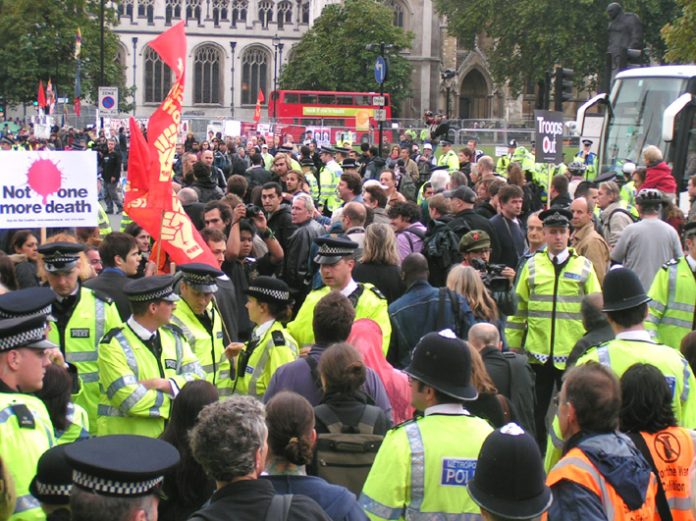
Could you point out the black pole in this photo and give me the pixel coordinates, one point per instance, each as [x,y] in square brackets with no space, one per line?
[381,93]
[233,45]
[135,62]
[447,107]
[101,51]
[275,81]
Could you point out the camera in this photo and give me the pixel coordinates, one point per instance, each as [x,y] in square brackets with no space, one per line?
[491,275]
[252,210]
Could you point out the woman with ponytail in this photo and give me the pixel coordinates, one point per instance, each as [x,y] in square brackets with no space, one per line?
[291,440]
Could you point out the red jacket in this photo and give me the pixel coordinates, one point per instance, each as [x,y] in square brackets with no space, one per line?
[660,177]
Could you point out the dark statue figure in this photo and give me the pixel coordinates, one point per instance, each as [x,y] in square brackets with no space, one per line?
[625,32]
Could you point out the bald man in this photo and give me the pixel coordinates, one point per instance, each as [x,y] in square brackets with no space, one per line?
[193,208]
[585,240]
[597,328]
[509,371]
[418,312]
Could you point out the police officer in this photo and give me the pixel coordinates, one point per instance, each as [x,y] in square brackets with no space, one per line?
[26,431]
[626,307]
[423,466]
[329,176]
[144,363]
[448,157]
[336,259]
[270,345]
[548,321]
[673,292]
[585,154]
[81,318]
[52,484]
[202,324]
[505,160]
[118,477]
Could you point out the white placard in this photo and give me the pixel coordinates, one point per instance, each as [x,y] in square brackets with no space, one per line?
[108,101]
[48,189]
[233,128]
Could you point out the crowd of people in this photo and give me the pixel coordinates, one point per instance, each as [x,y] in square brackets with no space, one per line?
[433,334]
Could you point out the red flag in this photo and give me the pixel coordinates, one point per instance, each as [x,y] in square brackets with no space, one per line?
[42,96]
[150,200]
[259,101]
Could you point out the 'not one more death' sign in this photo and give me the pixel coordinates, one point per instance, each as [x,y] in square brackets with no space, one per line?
[48,189]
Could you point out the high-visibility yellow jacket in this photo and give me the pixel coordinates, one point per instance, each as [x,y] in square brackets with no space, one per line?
[450,160]
[673,306]
[260,360]
[548,321]
[78,426]
[125,405]
[103,222]
[207,345]
[422,469]
[370,304]
[329,176]
[22,446]
[620,354]
[93,315]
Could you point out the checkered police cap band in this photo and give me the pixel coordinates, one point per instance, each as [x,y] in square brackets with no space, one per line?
[332,251]
[60,263]
[115,488]
[43,311]
[197,278]
[53,490]
[23,338]
[273,293]
[152,295]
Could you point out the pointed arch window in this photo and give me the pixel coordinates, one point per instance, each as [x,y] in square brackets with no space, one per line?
[158,77]
[207,76]
[254,74]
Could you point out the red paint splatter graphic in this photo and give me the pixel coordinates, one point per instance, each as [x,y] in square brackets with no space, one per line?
[44,178]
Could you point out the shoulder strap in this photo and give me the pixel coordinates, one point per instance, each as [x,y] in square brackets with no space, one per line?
[368,419]
[279,508]
[314,370]
[441,308]
[355,296]
[661,498]
[329,418]
[454,300]
[505,406]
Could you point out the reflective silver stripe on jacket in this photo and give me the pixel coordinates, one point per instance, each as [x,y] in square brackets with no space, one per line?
[260,368]
[81,356]
[603,356]
[415,442]
[89,378]
[687,373]
[100,322]
[596,476]
[375,507]
[25,503]
[140,391]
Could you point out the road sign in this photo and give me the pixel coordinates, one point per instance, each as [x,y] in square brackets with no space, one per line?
[108,101]
[378,101]
[380,115]
[381,69]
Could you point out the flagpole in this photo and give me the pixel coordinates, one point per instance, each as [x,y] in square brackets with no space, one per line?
[159,241]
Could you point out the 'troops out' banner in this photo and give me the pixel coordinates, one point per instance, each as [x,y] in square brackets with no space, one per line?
[48,189]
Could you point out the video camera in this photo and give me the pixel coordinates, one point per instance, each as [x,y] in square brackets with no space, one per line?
[491,275]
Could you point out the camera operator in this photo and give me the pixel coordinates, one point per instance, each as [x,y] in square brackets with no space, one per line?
[249,222]
[475,248]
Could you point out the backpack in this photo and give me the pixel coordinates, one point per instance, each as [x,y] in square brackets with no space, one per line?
[344,457]
[441,249]
[409,233]
[620,210]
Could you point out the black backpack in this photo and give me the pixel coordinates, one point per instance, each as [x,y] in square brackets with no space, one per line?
[441,249]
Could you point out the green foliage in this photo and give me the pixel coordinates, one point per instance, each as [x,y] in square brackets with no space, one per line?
[331,55]
[680,35]
[531,36]
[37,42]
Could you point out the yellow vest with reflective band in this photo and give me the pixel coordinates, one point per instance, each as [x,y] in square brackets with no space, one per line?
[422,469]
[21,448]
[91,318]
[329,176]
[673,306]
[313,186]
[276,348]
[103,222]
[208,348]
[450,160]
[371,304]
[125,405]
[294,164]
[125,221]
[622,354]
[548,321]
[628,193]
[78,426]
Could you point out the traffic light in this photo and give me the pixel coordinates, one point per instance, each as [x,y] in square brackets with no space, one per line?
[543,93]
[631,59]
[562,87]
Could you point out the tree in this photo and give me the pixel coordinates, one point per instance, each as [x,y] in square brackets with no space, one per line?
[680,35]
[37,42]
[332,55]
[530,37]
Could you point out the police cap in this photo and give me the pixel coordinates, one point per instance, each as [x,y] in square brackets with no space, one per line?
[475,240]
[622,289]
[342,150]
[587,142]
[27,302]
[445,143]
[61,257]
[201,277]
[512,143]
[121,465]
[53,480]
[286,149]
[327,150]
[306,162]
[509,480]
[555,216]
[443,362]
[27,332]
[333,249]
[269,289]
[690,229]
[158,287]
[349,163]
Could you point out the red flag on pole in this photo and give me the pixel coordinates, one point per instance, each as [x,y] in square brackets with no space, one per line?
[41,100]
[150,200]
[259,101]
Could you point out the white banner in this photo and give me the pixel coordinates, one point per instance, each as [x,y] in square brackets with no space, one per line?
[48,189]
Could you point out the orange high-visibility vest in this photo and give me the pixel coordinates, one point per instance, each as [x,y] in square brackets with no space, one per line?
[578,468]
[672,450]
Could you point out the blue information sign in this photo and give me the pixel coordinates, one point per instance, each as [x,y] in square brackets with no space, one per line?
[381,69]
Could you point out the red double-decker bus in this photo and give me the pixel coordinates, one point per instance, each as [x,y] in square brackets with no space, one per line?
[331,117]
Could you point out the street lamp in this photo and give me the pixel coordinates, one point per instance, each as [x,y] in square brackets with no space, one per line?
[380,48]
[233,46]
[135,61]
[447,75]
[277,59]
